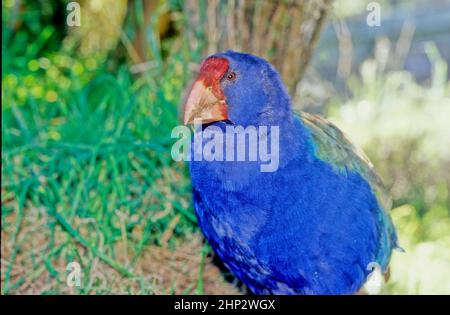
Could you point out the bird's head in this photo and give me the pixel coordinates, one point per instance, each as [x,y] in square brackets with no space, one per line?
[238,88]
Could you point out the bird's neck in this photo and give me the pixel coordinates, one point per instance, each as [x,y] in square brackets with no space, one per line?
[266,149]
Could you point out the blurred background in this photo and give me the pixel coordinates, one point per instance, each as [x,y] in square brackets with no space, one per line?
[87,113]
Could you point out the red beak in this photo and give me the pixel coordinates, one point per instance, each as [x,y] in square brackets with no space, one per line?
[206,101]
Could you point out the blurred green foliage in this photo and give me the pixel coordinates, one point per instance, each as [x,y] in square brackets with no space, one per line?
[404,129]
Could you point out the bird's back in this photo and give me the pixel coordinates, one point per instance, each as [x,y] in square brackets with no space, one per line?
[311,227]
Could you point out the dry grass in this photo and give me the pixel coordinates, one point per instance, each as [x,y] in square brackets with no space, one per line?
[158,270]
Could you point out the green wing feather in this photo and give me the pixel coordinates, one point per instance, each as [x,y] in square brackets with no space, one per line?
[333,147]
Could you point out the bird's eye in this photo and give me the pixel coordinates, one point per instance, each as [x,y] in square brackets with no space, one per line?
[231,76]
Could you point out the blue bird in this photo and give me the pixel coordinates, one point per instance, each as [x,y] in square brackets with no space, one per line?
[311,226]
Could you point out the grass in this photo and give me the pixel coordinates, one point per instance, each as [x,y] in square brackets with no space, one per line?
[90,178]
[84,169]
[87,175]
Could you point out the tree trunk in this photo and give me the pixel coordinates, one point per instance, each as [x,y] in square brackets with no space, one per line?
[281,31]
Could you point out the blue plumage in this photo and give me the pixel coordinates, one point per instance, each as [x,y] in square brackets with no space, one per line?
[312,226]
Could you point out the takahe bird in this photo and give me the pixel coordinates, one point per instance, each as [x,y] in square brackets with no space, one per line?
[312,226]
